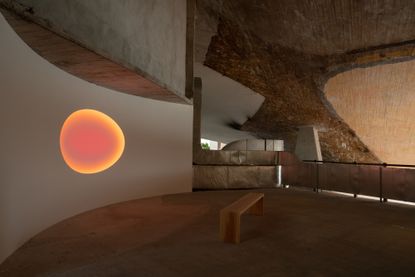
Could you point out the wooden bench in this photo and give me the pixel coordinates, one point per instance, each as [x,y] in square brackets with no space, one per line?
[230,217]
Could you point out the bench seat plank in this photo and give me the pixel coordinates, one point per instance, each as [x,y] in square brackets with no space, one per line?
[230,216]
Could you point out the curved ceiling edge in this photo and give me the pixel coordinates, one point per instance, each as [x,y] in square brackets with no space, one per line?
[84,63]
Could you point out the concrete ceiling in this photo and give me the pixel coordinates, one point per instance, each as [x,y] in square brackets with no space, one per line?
[288,50]
[284,50]
[136,47]
[379,104]
[322,27]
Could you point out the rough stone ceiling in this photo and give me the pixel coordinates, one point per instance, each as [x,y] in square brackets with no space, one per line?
[324,27]
[287,50]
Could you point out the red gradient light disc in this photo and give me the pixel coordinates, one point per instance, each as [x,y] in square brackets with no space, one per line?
[91,141]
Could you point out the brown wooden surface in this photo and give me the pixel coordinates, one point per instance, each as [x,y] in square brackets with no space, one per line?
[84,63]
[230,216]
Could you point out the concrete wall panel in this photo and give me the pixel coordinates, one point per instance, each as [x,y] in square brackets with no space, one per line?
[267,177]
[213,177]
[237,157]
[261,157]
[243,177]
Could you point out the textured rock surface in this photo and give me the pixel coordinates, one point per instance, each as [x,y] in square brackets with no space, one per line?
[287,79]
[287,50]
[322,27]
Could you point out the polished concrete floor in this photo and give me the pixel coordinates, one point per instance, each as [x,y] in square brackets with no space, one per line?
[301,234]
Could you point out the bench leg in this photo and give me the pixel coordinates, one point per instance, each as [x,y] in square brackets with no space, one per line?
[257,208]
[230,227]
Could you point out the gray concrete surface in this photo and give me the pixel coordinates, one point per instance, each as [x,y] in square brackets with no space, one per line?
[301,234]
[308,144]
[84,63]
[146,35]
[209,177]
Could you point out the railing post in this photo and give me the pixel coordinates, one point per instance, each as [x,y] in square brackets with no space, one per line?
[382,199]
[380,184]
[317,176]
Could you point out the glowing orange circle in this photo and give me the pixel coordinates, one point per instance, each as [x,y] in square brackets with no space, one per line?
[91,141]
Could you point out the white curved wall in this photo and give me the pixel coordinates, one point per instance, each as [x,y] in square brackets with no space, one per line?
[37,189]
[225,101]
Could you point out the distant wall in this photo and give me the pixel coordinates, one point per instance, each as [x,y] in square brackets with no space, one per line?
[37,189]
[148,35]
[256,145]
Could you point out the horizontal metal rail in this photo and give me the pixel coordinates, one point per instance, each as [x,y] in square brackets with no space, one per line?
[357,163]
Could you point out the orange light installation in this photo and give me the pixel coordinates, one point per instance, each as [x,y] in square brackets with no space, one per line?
[91,141]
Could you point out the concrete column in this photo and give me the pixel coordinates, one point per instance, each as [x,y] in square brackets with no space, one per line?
[197,114]
[190,30]
[308,144]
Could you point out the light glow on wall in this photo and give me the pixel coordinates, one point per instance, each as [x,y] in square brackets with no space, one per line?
[91,141]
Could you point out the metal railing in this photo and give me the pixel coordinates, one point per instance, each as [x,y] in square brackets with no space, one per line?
[357,163]
[249,169]
[382,180]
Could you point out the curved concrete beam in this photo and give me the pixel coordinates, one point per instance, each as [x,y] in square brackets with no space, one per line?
[363,58]
[109,47]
